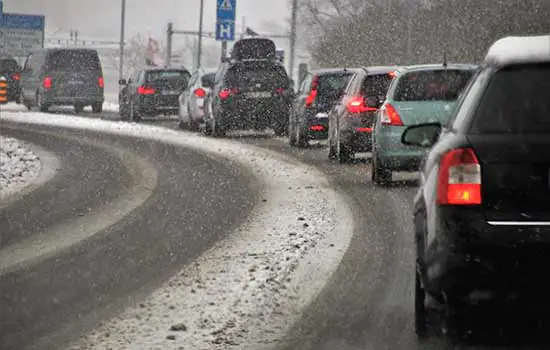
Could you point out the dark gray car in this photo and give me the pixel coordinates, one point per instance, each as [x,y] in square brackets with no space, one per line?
[63,77]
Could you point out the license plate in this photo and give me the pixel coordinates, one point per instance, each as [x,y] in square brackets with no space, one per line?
[170,92]
[321,116]
[259,94]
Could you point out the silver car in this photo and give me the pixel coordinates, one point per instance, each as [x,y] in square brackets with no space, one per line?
[191,101]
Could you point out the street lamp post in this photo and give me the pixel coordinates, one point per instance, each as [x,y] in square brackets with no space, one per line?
[199,48]
[122,25]
[293,37]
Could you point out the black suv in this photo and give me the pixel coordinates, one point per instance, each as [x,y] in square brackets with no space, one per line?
[11,71]
[250,93]
[317,94]
[482,213]
[64,77]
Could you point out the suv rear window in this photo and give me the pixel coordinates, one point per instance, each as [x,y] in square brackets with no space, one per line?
[330,83]
[376,85]
[73,60]
[516,101]
[165,75]
[248,75]
[9,65]
[434,85]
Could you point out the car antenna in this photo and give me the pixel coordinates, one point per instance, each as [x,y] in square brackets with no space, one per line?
[444,59]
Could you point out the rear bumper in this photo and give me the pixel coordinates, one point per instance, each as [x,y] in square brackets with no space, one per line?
[316,126]
[87,99]
[244,114]
[394,155]
[475,261]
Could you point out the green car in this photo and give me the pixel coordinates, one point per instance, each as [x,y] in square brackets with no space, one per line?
[418,94]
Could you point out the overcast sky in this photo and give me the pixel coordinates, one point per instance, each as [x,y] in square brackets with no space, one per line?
[101,18]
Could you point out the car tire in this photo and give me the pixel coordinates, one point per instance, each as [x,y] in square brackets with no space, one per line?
[344,153]
[420,311]
[183,125]
[301,139]
[291,134]
[97,107]
[42,106]
[78,108]
[455,321]
[379,174]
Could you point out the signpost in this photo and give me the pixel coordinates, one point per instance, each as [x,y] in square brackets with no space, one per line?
[20,34]
[225,22]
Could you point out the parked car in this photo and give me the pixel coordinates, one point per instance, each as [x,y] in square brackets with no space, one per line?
[482,212]
[317,94]
[351,120]
[152,91]
[249,94]
[63,77]
[191,101]
[418,94]
[11,71]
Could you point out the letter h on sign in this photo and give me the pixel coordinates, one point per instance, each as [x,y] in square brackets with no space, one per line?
[225,31]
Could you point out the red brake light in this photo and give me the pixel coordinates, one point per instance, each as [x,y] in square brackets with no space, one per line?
[357,105]
[313,93]
[145,90]
[225,93]
[393,74]
[101,82]
[390,116]
[16,76]
[280,90]
[47,83]
[200,92]
[459,181]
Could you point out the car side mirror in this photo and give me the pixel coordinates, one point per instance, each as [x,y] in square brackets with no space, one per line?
[122,82]
[422,135]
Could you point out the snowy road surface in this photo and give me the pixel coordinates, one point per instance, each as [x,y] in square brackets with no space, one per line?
[248,288]
[20,166]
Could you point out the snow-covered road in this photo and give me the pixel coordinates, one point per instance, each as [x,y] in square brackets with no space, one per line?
[247,290]
[19,165]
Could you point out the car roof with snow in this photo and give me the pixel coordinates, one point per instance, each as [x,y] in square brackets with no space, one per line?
[323,71]
[380,69]
[519,50]
[436,66]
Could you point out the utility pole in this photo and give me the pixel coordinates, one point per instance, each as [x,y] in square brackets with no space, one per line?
[122,25]
[168,55]
[293,37]
[224,50]
[199,49]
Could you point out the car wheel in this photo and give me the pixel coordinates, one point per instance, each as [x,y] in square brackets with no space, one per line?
[379,174]
[291,134]
[183,125]
[301,139]
[97,107]
[344,153]
[455,321]
[134,116]
[78,108]
[42,106]
[420,312]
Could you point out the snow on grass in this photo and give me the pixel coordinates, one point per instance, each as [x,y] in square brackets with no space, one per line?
[247,290]
[19,166]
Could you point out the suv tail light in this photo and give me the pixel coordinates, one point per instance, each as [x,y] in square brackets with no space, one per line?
[16,76]
[145,90]
[101,82]
[313,92]
[280,90]
[390,116]
[47,83]
[357,105]
[200,92]
[459,181]
[225,93]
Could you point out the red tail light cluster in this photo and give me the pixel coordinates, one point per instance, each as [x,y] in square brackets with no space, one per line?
[225,93]
[145,90]
[313,92]
[101,82]
[390,116]
[280,90]
[459,181]
[200,92]
[357,105]
[16,76]
[47,83]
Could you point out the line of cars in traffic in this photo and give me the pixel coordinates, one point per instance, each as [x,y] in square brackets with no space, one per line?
[480,136]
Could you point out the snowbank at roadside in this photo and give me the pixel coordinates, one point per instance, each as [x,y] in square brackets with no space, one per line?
[19,165]
[247,290]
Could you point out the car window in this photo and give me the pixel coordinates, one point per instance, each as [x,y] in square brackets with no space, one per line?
[73,60]
[252,74]
[193,79]
[333,83]
[9,65]
[28,63]
[516,101]
[165,75]
[432,85]
[376,85]
[208,79]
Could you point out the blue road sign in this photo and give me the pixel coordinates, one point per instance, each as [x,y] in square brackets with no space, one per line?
[17,21]
[226,10]
[225,31]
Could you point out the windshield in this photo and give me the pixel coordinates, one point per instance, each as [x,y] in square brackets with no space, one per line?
[517,101]
[435,85]
[73,60]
